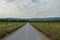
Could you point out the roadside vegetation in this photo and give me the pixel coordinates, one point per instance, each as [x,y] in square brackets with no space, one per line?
[9,27]
[50,29]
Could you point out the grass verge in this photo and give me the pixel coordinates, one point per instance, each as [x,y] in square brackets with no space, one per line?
[7,28]
[50,29]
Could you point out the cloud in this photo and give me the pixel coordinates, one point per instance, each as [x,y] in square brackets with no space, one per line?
[7,9]
[52,11]
[9,0]
[29,8]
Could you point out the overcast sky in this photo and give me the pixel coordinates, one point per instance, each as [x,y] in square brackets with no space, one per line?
[29,8]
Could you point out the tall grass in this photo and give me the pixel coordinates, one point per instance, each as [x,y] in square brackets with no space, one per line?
[50,29]
[9,27]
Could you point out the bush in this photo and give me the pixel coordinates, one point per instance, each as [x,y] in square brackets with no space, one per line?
[2,34]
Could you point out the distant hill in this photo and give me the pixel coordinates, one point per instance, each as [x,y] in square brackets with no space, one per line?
[31,19]
[45,19]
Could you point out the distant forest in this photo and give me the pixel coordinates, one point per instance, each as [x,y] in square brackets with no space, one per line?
[30,19]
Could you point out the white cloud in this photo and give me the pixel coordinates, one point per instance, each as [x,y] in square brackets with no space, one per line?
[52,11]
[27,8]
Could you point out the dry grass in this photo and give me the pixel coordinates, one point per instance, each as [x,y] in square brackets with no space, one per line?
[50,29]
[8,27]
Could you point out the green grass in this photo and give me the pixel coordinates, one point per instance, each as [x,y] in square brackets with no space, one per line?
[50,29]
[9,27]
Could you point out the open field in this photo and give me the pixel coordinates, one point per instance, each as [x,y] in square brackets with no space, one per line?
[50,29]
[8,27]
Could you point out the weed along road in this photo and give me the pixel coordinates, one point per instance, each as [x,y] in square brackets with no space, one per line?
[26,33]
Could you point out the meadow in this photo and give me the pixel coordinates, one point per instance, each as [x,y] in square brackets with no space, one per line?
[50,29]
[9,27]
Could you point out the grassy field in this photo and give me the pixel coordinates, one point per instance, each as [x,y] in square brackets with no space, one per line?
[50,29]
[9,27]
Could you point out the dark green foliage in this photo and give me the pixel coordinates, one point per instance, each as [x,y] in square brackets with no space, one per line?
[2,34]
